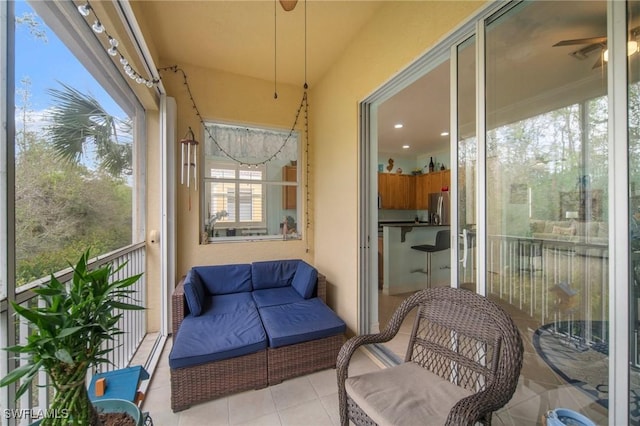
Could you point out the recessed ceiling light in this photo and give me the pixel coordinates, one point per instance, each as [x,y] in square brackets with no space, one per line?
[406,146]
[445,133]
[399,126]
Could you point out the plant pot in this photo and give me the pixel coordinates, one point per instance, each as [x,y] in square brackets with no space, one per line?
[119,406]
[114,406]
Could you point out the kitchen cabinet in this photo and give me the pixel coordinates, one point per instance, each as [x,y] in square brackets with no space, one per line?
[408,192]
[446,178]
[397,191]
[430,183]
[289,192]
[422,191]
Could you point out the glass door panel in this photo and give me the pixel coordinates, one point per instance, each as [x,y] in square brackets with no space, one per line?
[467,163]
[546,199]
[633,26]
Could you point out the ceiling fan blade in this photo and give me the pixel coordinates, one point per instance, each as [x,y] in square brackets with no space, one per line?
[288,5]
[591,40]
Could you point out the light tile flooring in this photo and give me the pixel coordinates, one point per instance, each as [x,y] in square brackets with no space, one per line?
[313,400]
[306,401]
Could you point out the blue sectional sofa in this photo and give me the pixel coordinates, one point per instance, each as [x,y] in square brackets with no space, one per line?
[246,326]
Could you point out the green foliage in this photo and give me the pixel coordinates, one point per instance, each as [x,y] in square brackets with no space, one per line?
[61,208]
[70,332]
[78,120]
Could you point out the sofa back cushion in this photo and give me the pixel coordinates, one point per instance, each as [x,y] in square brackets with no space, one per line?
[305,279]
[273,273]
[194,293]
[225,279]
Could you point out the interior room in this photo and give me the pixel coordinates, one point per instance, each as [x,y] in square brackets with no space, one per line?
[294,173]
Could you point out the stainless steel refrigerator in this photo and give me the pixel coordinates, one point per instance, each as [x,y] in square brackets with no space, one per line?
[439,208]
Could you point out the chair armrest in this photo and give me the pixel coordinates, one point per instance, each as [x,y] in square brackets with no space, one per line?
[322,287]
[350,346]
[390,331]
[178,306]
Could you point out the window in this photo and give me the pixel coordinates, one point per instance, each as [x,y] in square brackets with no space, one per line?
[237,202]
[73,190]
[250,183]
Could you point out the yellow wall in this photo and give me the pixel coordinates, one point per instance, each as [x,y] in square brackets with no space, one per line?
[230,98]
[397,34]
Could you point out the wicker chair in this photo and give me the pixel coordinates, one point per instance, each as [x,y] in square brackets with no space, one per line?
[463,362]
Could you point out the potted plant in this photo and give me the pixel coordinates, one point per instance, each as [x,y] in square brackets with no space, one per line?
[69,332]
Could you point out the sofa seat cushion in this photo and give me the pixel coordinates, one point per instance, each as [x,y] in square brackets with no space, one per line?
[230,303]
[214,337]
[300,322]
[273,273]
[225,279]
[388,398]
[276,296]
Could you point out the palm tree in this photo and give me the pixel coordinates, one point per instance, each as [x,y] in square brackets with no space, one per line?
[78,120]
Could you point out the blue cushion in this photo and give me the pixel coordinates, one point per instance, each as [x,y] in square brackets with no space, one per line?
[276,296]
[225,279]
[305,279]
[194,293]
[214,337]
[273,273]
[230,303]
[300,322]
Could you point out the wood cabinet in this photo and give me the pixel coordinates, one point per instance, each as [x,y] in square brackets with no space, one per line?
[422,191]
[407,192]
[397,191]
[430,183]
[289,192]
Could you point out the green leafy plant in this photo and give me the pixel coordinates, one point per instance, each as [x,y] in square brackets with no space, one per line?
[69,335]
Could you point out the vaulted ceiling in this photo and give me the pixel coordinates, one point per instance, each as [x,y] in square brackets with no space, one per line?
[258,39]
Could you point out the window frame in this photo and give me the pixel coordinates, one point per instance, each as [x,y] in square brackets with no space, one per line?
[266,182]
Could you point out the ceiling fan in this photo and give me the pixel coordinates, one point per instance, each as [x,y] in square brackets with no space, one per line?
[598,44]
[288,5]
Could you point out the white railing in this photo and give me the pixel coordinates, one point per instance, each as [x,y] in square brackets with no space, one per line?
[132,323]
[551,280]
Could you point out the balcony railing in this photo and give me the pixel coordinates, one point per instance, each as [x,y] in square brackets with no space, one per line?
[132,323]
[547,280]
[551,281]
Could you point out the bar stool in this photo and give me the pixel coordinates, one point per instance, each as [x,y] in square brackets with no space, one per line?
[443,242]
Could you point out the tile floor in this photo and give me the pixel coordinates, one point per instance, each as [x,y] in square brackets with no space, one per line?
[306,401]
[313,400]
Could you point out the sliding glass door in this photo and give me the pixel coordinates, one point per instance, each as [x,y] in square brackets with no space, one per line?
[467,147]
[633,94]
[547,197]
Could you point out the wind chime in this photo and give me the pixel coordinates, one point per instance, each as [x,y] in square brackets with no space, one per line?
[189,149]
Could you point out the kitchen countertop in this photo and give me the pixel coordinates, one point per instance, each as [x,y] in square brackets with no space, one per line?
[408,224]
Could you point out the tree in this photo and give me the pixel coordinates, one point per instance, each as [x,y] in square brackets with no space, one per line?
[78,120]
[62,208]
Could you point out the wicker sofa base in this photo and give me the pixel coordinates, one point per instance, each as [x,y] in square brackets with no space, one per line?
[200,383]
[303,358]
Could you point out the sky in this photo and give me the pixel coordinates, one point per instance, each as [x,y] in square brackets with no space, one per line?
[46,64]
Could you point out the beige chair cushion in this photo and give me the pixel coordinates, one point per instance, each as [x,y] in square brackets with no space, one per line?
[389,396]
